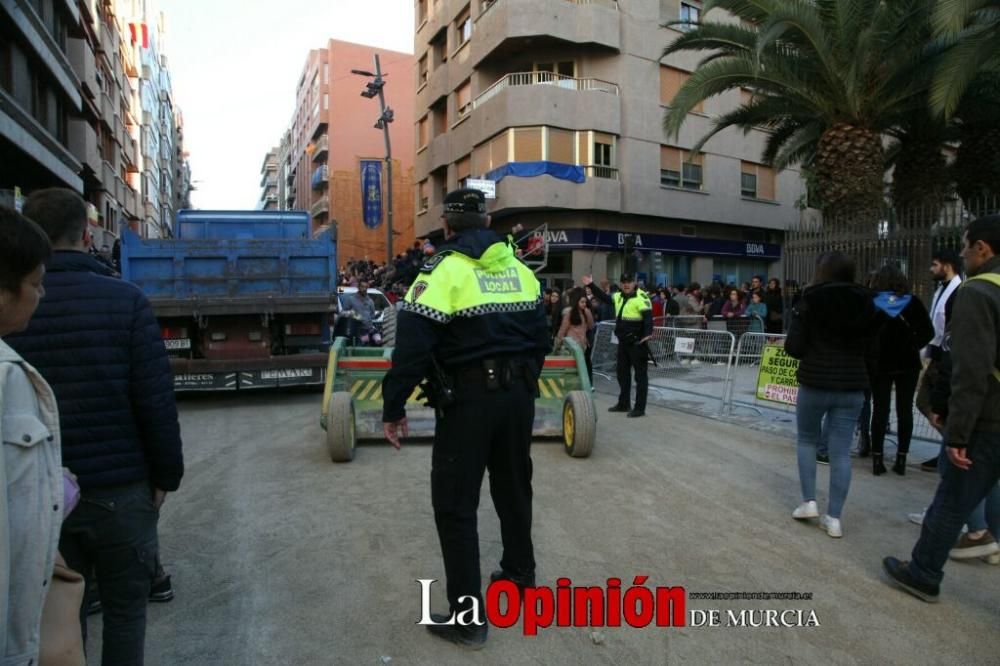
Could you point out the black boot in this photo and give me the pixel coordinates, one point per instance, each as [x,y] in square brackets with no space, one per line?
[899,467]
[521,580]
[878,468]
[619,408]
[864,445]
[472,637]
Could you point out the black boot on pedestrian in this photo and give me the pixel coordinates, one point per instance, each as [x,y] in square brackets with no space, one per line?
[929,465]
[619,408]
[636,413]
[899,572]
[864,445]
[899,467]
[161,591]
[521,580]
[472,637]
[878,468]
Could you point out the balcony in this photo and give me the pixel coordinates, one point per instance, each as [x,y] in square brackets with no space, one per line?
[108,111]
[322,149]
[320,177]
[321,207]
[131,202]
[151,212]
[600,191]
[131,152]
[81,57]
[544,98]
[506,27]
[83,145]
[109,179]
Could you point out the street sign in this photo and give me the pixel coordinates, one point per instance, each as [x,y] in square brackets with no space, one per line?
[776,379]
[487,187]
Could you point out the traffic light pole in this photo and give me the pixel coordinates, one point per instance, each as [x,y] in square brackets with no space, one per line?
[388,161]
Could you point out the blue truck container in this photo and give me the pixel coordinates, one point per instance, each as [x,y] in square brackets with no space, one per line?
[244,298]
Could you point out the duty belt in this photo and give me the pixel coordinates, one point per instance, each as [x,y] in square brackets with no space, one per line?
[495,374]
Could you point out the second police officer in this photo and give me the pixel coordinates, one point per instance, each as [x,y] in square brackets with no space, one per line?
[474,322]
[633,328]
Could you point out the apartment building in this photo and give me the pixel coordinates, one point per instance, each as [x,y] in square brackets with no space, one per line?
[269,182]
[333,131]
[76,111]
[560,102]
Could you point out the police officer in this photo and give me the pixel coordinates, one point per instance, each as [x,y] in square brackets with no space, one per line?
[473,321]
[633,327]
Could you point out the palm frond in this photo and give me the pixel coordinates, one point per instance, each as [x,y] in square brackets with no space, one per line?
[960,66]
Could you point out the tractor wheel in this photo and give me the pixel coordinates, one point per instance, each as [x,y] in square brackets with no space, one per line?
[579,424]
[341,436]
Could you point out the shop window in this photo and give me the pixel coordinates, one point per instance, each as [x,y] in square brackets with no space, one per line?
[671,80]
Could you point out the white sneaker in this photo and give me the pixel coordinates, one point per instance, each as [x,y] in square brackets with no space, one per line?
[832,526]
[806,510]
[917,518]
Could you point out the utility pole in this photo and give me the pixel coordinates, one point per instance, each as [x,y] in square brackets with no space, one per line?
[373,89]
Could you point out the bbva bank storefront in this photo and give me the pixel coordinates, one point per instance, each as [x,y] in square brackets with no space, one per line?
[660,259]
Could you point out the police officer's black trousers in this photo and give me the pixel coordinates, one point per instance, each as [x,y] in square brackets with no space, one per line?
[633,357]
[483,430]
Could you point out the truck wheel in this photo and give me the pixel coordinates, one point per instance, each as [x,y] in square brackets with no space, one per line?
[389,327]
[579,424]
[341,437]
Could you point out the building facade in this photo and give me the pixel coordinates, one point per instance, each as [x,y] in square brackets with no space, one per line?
[269,182]
[74,82]
[561,104]
[333,131]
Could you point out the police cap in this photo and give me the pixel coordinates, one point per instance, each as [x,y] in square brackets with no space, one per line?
[627,277]
[465,200]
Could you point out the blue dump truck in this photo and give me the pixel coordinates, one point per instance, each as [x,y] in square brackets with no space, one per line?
[245,299]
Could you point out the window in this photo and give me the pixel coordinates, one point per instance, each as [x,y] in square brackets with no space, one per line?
[602,150]
[422,133]
[422,71]
[440,111]
[463,98]
[680,169]
[440,48]
[463,28]
[690,13]
[671,80]
[422,201]
[528,144]
[757,181]
[463,170]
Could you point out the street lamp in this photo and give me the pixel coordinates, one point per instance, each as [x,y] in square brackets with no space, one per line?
[372,90]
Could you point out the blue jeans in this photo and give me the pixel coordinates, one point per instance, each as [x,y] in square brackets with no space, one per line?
[957,495]
[986,515]
[864,423]
[841,410]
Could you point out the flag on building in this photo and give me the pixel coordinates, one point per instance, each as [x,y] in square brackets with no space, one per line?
[140,34]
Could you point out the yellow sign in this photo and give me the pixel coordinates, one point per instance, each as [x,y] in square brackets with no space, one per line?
[776,379]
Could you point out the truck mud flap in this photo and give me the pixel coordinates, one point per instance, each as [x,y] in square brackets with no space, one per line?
[252,379]
[206,381]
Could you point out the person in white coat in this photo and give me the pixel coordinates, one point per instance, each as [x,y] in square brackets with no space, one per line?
[31,480]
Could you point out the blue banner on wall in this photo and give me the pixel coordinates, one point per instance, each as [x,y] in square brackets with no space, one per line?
[371,192]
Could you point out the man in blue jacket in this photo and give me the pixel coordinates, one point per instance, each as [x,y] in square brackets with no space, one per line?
[95,340]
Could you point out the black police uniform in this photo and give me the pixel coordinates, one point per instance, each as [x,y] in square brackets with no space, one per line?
[464,317]
[633,323]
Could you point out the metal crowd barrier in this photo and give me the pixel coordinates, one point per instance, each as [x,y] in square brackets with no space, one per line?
[688,361]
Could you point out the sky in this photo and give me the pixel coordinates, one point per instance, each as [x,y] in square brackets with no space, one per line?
[234,65]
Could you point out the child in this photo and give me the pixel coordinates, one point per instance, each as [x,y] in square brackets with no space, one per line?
[757,311]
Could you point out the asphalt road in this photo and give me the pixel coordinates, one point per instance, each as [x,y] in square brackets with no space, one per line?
[279,556]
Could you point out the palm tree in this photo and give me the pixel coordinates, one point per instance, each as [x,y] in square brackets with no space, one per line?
[976,170]
[975,26]
[830,77]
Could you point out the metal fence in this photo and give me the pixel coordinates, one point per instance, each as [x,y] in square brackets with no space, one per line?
[693,362]
[906,238]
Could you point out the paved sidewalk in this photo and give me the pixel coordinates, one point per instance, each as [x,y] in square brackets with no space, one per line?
[280,557]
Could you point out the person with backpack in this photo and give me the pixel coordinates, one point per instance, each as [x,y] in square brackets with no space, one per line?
[972,428]
[896,362]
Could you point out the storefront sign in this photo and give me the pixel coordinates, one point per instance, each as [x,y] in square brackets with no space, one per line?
[776,379]
[592,239]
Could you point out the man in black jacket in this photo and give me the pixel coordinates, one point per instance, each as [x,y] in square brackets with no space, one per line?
[95,340]
[972,429]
